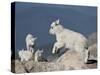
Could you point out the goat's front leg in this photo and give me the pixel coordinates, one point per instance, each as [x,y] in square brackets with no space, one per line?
[87,53]
[57,46]
[54,48]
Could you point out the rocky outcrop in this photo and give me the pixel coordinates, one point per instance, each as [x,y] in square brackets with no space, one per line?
[69,60]
[93,52]
[17,67]
[31,66]
[72,59]
[92,42]
[92,39]
[45,66]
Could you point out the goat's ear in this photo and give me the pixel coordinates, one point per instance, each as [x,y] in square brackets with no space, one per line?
[57,21]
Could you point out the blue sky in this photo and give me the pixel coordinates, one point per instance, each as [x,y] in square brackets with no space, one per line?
[36,18]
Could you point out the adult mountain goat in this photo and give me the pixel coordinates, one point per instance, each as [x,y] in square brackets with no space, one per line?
[66,38]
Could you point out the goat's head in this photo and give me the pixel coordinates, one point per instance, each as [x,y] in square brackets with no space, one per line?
[55,27]
[39,53]
[30,39]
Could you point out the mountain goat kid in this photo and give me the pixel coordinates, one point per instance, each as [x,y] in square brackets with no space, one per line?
[38,56]
[30,42]
[25,55]
[69,39]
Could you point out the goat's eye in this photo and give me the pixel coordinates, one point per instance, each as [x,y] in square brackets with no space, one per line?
[56,24]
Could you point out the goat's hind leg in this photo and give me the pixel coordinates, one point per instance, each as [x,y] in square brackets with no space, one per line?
[86,56]
[87,53]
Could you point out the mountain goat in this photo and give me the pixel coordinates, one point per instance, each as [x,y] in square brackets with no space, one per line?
[69,39]
[38,56]
[25,55]
[30,42]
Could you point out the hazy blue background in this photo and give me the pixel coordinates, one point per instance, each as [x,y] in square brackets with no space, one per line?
[36,19]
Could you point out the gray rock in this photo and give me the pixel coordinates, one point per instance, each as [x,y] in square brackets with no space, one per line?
[92,39]
[73,59]
[31,66]
[17,67]
[93,52]
[45,66]
[70,60]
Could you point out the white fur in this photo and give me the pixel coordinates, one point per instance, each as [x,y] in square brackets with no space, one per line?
[38,55]
[57,46]
[25,55]
[30,42]
[69,39]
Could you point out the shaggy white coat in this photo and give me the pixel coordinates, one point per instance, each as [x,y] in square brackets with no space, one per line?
[68,39]
[30,42]
[25,55]
[38,55]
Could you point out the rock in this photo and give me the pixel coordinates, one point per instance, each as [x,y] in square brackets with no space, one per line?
[17,67]
[28,65]
[31,66]
[93,52]
[73,59]
[92,39]
[45,66]
[92,43]
[70,60]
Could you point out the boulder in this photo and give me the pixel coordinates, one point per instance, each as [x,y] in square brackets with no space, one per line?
[92,39]
[93,52]
[17,67]
[73,59]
